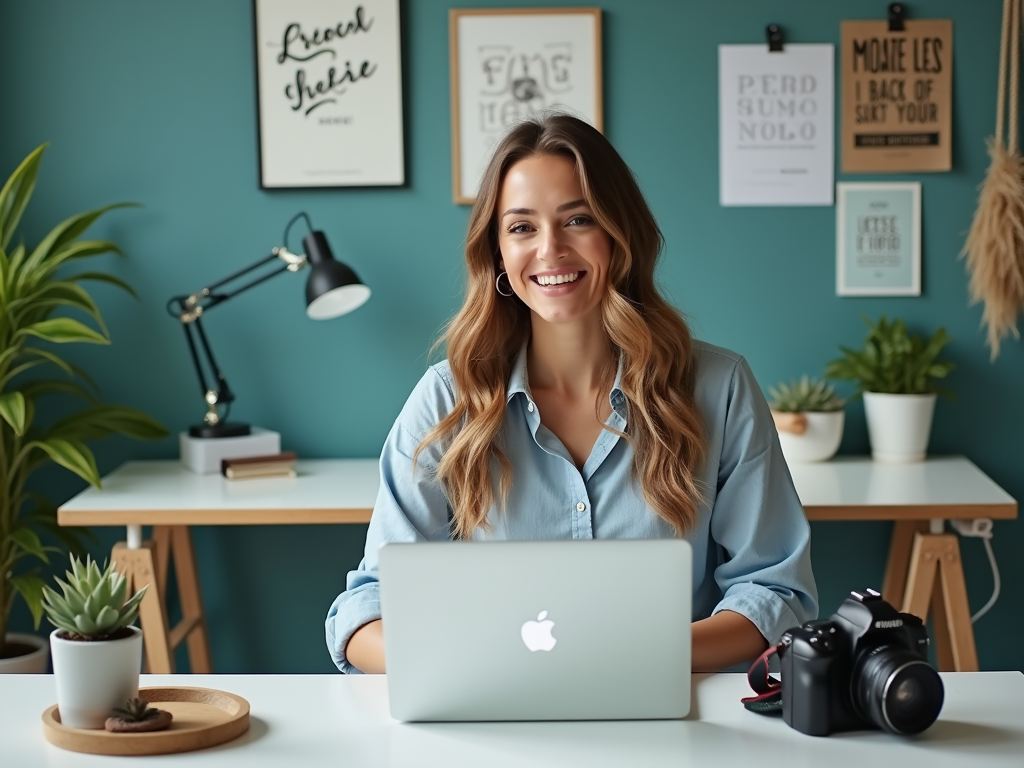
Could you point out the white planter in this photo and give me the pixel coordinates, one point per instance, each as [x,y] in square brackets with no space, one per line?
[35,662]
[95,677]
[899,425]
[820,440]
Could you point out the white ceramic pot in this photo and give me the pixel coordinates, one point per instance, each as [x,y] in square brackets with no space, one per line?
[35,662]
[94,677]
[899,425]
[819,441]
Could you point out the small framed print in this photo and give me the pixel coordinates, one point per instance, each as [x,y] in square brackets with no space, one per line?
[329,93]
[509,64]
[878,239]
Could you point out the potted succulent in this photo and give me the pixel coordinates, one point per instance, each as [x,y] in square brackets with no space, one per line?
[896,373]
[97,655]
[810,417]
[33,284]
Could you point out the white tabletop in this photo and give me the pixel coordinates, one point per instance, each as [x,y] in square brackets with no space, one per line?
[344,491]
[166,493]
[335,720]
[941,486]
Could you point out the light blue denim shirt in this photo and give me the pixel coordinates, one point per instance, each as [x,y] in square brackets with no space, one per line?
[751,542]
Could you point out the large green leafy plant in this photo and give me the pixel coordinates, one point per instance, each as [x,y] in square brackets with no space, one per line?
[893,361]
[34,284]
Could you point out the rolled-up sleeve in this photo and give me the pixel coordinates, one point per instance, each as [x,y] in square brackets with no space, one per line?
[410,506]
[758,521]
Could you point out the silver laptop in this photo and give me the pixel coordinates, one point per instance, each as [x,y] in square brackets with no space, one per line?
[546,630]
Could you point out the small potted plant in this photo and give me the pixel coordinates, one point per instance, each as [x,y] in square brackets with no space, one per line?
[809,416]
[96,654]
[896,373]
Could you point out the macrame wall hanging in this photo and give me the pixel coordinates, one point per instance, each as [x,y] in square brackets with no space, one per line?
[995,244]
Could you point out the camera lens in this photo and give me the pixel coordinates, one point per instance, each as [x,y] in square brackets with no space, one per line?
[897,690]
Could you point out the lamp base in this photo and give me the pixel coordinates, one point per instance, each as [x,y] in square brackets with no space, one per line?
[224,429]
[203,455]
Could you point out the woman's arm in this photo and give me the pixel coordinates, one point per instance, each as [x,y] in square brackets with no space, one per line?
[365,649]
[725,639]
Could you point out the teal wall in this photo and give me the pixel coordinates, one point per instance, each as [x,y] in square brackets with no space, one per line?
[155,102]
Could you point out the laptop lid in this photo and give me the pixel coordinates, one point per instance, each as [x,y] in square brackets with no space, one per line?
[546,630]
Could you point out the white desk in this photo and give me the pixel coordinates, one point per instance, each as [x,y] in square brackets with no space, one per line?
[165,495]
[924,571]
[170,498]
[337,720]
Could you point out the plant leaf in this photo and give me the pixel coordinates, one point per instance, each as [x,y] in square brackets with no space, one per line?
[12,408]
[64,330]
[59,293]
[31,590]
[73,455]
[64,233]
[105,278]
[38,387]
[100,421]
[51,358]
[16,193]
[68,252]
[28,541]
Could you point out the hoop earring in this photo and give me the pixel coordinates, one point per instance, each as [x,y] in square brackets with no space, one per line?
[497,285]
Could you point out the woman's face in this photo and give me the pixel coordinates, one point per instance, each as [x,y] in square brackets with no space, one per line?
[555,254]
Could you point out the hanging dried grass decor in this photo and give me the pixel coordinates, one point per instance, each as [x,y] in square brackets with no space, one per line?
[995,244]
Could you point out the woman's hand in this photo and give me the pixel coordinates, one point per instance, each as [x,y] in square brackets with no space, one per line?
[724,639]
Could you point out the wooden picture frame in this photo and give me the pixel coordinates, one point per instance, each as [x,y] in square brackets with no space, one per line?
[878,238]
[507,64]
[329,93]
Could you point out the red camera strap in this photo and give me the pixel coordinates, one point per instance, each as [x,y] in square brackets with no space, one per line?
[767,688]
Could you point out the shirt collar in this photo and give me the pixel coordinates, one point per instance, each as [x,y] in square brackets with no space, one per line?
[518,382]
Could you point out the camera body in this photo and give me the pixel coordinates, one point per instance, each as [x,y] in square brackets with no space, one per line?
[865,667]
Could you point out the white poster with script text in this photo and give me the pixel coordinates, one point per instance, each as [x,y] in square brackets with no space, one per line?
[776,143]
[329,92]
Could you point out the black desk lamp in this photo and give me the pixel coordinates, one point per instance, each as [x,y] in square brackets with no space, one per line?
[332,289]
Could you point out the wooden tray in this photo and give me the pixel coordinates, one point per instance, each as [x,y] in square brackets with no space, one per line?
[203,717]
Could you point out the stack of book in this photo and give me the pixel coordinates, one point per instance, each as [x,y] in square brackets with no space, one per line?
[274,465]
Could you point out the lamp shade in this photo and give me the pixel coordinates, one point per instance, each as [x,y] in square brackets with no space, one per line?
[332,289]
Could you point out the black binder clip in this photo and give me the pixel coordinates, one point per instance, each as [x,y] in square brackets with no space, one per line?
[774,37]
[897,15]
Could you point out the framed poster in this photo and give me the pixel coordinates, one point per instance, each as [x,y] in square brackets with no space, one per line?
[897,96]
[508,64]
[878,239]
[775,144]
[329,93]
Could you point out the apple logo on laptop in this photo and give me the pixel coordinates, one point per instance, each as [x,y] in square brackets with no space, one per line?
[537,634]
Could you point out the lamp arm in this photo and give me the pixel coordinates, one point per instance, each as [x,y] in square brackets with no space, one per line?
[189,309]
[218,298]
[224,393]
[187,328]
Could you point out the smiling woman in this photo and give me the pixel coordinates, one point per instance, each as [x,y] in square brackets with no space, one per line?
[574,404]
[555,254]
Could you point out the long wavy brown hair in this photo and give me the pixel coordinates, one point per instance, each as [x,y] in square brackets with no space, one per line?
[484,338]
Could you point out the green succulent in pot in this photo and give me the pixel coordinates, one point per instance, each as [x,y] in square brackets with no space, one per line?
[36,283]
[806,394]
[93,604]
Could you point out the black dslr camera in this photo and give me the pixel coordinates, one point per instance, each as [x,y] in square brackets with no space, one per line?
[865,667]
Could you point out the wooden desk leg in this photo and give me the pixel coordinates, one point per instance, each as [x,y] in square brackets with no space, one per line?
[191,601]
[140,569]
[939,555]
[898,564]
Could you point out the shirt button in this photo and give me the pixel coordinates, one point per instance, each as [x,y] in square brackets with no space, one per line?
[530,406]
[580,507]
